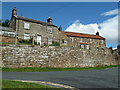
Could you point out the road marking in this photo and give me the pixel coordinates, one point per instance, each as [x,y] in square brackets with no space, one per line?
[50,84]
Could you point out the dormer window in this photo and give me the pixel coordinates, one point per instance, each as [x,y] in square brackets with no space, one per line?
[26,25]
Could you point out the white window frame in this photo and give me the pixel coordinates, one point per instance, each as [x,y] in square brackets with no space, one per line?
[49,29]
[26,36]
[26,25]
[101,41]
[72,39]
[50,40]
[82,46]
[87,46]
[12,34]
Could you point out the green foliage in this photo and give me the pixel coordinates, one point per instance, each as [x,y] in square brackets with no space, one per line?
[55,44]
[26,41]
[38,69]
[0,22]
[19,84]
[6,23]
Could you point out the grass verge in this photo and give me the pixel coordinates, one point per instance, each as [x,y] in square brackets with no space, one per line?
[19,84]
[38,69]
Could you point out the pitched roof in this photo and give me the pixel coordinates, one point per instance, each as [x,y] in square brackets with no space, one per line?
[35,21]
[73,34]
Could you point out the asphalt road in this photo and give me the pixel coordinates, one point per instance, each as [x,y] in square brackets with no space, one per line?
[107,78]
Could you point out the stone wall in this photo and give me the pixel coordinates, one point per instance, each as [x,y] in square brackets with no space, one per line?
[7,39]
[56,57]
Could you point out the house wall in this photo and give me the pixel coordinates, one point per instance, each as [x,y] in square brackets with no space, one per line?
[40,29]
[56,57]
[13,23]
[56,35]
[93,44]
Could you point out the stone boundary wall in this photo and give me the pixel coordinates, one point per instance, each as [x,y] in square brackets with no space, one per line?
[7,39]
[53,56]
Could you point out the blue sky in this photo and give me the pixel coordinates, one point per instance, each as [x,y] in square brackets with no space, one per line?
[63,13]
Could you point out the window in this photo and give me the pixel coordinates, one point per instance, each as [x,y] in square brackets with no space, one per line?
[87,47]
[12,34]
[26,36]
[81,39]
[82,46]
[72,39]
[90,40]
[101,41]
[26,25]
[49,29]
[49,40]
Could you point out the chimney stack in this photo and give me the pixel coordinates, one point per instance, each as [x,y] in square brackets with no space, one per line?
[49,20]
[14,11]
[60,28]
[97,33]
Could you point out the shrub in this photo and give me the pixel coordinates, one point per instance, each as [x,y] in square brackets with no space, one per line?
[55,44]
[26,41]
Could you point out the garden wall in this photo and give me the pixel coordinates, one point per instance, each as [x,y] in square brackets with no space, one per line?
[53,56]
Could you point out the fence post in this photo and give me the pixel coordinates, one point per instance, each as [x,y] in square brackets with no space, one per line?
[33,40]
[15,39]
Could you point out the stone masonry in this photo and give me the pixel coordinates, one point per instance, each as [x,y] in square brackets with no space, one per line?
[53,56]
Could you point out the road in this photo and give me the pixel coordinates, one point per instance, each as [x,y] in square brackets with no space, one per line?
[107,78]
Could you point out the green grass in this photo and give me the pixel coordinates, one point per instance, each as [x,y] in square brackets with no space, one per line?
[38,69]
[19,84]
[3,43]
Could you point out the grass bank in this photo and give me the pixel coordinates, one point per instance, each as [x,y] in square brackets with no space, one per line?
[19,84]
[38,69]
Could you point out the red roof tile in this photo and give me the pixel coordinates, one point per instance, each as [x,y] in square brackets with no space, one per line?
[73,34]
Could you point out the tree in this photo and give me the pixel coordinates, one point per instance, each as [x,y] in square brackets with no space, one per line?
[6,23]
[0,22]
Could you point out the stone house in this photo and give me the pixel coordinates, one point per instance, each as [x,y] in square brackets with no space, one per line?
[86,41]
[45,33]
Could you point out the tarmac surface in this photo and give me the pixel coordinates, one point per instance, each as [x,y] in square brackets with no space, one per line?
[106,78]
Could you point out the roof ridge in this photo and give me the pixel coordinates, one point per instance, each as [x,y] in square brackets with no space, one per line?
[33,20]
[83,35]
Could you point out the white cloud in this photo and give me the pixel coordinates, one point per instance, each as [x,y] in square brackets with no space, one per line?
[79,27]
[111,12]
[108,29]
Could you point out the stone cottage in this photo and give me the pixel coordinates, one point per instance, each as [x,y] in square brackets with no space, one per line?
[86,41]
[45,33]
